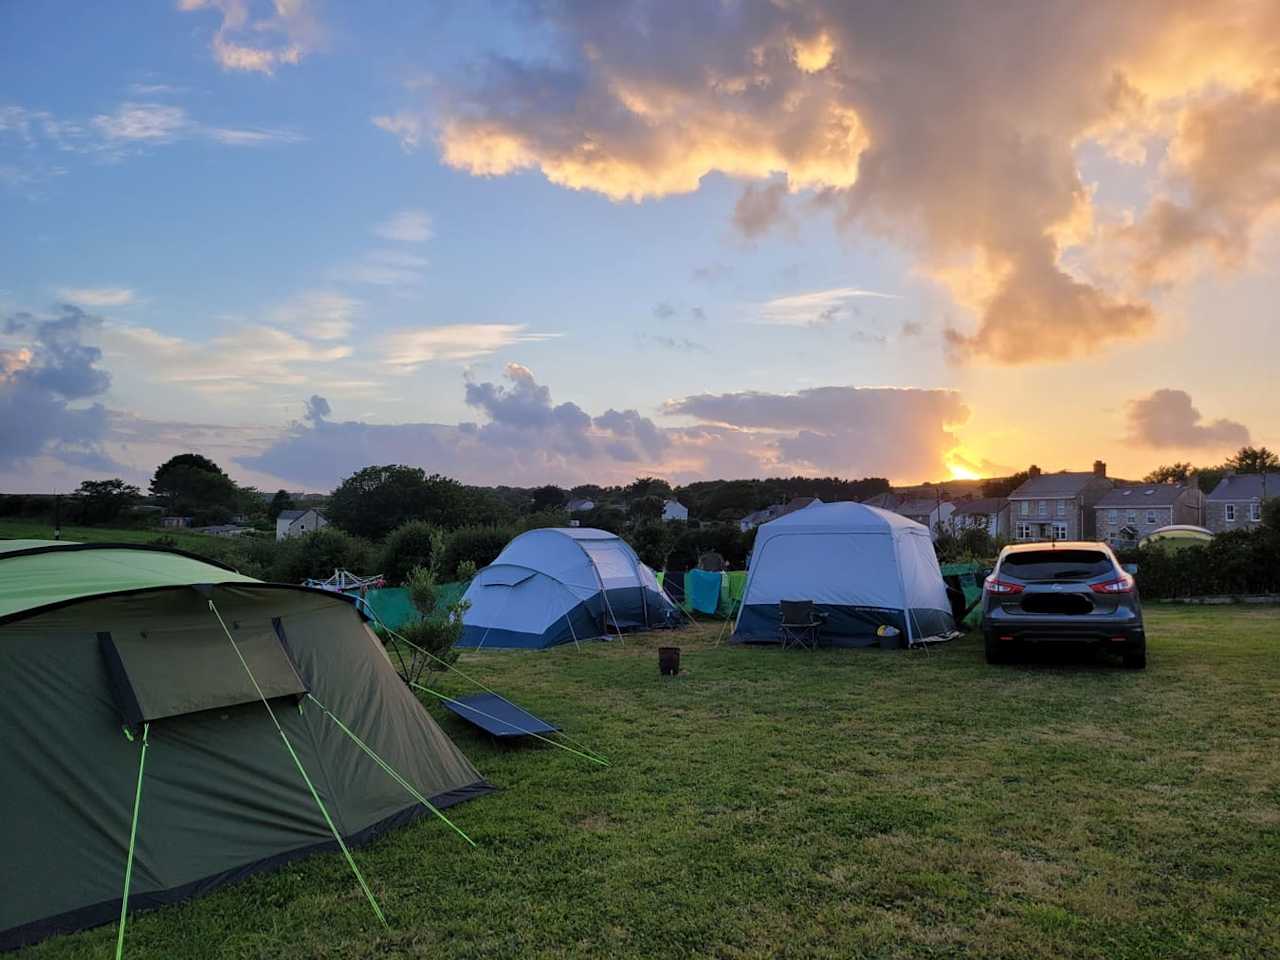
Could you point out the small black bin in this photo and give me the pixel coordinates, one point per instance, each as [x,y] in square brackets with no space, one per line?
[668,661]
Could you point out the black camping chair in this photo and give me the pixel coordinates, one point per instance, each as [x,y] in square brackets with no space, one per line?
[799,624]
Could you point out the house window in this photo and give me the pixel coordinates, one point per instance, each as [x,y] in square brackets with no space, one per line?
[1151,516]
[1043,509]
[1026,531]
[1255,511]
[1231,513]
[1062,508]
[1133,516]
[1025,508]
[1111,516]
[1059,531]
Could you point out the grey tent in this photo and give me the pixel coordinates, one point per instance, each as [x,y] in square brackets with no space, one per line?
[103,648]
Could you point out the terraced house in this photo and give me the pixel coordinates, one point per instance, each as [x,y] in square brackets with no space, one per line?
[1236,502]
[1058,506]
[1127,514]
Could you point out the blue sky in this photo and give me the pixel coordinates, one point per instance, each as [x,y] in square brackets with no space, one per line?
[254,205]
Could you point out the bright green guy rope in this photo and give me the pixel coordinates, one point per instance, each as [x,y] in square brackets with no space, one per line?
[133,836]
[302,770]
[413,791]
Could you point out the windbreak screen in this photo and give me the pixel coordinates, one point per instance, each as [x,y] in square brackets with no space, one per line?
[167,673]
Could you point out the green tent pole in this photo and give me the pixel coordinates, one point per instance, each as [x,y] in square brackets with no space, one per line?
[302,770]
[133,836]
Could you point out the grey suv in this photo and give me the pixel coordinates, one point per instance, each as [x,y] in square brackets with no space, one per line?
[1062,591]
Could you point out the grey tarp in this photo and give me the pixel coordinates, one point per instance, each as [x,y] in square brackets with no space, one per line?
[221,797]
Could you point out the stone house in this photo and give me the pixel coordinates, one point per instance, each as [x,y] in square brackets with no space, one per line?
[1127,514]
[990,514]
[1236,502]
[1058,506]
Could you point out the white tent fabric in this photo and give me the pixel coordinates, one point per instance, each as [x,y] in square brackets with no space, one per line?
[558,585]
[863,568]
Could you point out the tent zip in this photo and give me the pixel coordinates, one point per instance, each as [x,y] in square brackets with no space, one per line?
[390,771]
[133,836]
[302,770]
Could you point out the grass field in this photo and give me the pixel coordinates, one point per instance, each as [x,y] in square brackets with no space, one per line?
[38,530]
[840,804]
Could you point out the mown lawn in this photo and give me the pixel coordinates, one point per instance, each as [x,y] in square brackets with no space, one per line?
[40,530]
[839,804]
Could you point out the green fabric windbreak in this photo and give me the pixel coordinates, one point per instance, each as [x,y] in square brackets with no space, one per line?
[394,607]
[970,575]
[167,673]
[41,579]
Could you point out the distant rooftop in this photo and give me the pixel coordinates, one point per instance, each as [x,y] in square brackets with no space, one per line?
[1149,494]
[1053,485]
[1246,486]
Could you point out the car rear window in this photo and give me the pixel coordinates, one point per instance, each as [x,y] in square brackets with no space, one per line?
[1057,564]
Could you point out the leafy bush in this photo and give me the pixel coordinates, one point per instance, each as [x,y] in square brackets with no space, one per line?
[314,555]
[478,546]
[1233,563]
[722,538]
[466,570]
[435,634]
[415,544]
[652,541]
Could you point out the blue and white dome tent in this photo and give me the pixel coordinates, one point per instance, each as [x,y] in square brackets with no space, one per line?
[863,568]
[562,585]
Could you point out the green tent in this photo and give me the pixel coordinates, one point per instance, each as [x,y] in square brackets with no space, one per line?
[267,718]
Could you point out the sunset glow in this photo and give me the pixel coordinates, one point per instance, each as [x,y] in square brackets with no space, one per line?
[747,239]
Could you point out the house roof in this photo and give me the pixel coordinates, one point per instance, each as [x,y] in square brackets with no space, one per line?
[916,507]
[1246,486]
[1053,485]
[292,514]
[883,501]
[985,506]
[1145,495]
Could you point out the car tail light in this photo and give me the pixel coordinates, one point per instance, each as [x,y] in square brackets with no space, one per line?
[1002,587]
[1123,584]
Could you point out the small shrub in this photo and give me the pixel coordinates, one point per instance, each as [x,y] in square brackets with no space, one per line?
[466,571]
[435,634]
[317,554]
[478,546]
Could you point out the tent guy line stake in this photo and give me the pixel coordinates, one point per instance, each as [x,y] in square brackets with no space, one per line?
[133,836]
[467,706]
[471,679]
[413,791]
[302,770]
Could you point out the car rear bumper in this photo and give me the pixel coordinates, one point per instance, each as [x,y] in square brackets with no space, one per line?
[1126,631]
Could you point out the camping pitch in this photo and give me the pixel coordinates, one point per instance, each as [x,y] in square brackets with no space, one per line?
[144,695]
[863,568]
[562,585]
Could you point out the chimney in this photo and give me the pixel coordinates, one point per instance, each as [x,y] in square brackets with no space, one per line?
[1099,469]
[1033,471]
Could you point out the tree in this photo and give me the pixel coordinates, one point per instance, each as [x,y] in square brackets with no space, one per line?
[194,485]
[645,509]
[279,503]
[416,544]
[1178,472]
[102,501]
[1003,486]
[1253,460]
[647,487]
[652,542]
[549,497]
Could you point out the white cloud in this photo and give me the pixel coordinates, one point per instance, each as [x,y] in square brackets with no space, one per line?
[408,349]
[97,296]
[238,43]
[319,314]
[152,122]
[407,226]
[407,128]
[816,308]
[388,268]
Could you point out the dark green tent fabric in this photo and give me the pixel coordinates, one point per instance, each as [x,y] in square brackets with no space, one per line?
[221,799]
[970,575]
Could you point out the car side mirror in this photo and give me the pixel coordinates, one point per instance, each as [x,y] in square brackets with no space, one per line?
[1130,568]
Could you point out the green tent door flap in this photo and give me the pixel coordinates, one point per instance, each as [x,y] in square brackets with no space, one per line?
[159,673]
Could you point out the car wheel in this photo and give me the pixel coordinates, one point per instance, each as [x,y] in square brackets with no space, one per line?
[1136,659]
[995,651]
